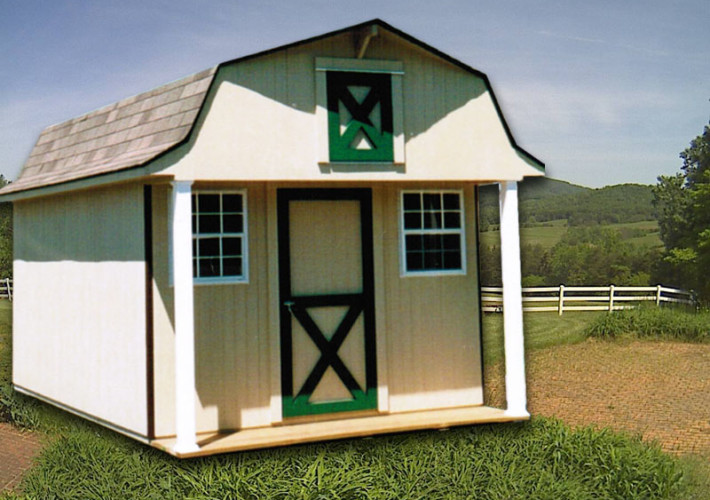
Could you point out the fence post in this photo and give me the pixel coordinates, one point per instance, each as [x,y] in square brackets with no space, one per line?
[658,295]
[611,298]
[560,305]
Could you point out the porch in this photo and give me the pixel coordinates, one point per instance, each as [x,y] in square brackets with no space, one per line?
[284,435]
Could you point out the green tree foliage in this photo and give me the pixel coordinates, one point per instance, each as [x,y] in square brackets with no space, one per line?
[543,200]
[5,235]
[595,255]
[682,204]
[592,255]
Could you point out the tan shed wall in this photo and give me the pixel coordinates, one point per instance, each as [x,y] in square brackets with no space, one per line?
[79,310]
[231,333]
[260,122]
[432,322]
[428,348]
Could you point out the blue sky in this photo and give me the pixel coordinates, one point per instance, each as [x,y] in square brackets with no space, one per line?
[603,92]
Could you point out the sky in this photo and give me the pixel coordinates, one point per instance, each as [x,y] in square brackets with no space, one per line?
[603,92]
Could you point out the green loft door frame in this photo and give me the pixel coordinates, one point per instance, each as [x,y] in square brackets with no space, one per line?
[294,308]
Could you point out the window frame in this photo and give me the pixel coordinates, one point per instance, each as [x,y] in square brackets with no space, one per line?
[403,233]
[244,235]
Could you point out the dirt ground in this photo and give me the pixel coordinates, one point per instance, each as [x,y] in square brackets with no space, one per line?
[660,390]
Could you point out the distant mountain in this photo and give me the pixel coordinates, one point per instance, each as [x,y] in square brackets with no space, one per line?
[543,199]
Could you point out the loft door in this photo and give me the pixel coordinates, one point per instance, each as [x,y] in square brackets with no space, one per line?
[326,288]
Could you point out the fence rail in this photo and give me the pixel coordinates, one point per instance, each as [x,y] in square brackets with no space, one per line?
[586,298]
[554,298]
[6,288]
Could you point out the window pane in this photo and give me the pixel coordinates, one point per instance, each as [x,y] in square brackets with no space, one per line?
[452,260]
[451,201]
[231,247]
[452,220]
[209,224]
[232,267]
[232,203]
[413,220]
[209,267]
[414,242]
[194,224]
[415,261]
[452,242]
[208,203]
[432,260]
[412,201]
[432,220]
[432,241]
[208,247]
[193,202]
[432,201]
[233,223]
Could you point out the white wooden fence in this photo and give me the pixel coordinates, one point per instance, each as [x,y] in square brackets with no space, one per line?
[554,298]
[6,288]
[586,298]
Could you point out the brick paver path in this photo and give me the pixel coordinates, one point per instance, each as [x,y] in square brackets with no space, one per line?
[660,390]
[17,449]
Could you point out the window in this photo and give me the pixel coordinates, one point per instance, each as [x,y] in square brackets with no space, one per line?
[432,232]
[219,237]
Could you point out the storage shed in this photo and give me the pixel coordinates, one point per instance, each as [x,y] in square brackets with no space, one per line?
[277,250]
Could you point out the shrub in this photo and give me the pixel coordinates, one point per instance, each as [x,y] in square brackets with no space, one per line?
[661,323]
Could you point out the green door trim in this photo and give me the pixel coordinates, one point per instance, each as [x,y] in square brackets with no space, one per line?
[296,307]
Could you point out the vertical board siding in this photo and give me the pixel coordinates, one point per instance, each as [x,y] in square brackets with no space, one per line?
[231,333]
[260,121]
[79,320]
[433,331]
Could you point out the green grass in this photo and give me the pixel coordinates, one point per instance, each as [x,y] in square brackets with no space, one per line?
[538,459]
[542,329]
[658,323]
[643,234]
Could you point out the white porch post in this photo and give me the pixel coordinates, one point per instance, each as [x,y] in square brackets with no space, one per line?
[515,391]
[181,237]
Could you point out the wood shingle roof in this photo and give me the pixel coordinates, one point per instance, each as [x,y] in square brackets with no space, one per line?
[122,135]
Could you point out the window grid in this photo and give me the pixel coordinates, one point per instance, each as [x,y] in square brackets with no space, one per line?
[219,236]
[432,232]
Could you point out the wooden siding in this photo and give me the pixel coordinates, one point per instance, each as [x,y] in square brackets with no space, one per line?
[260,121]
[83,343]
[231,333]
[432,322]
[237,326]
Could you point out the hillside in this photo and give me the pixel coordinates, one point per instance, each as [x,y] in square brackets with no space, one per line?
[545,200]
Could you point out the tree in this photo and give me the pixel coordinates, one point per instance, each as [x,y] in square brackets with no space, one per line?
[682,204]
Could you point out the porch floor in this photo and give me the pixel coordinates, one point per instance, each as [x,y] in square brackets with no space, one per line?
[284,435]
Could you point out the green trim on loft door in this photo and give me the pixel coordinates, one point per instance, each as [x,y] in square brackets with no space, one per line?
[381,140]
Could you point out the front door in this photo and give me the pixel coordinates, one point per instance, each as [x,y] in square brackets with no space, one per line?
[326,290]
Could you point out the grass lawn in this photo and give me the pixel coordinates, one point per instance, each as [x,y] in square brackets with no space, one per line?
[643,234]
[537,459]
[542,329]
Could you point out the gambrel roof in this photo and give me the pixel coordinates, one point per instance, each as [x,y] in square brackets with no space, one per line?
[133,132]
[125,134]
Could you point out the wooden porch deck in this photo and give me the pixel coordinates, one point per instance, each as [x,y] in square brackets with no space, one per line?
[284,435]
